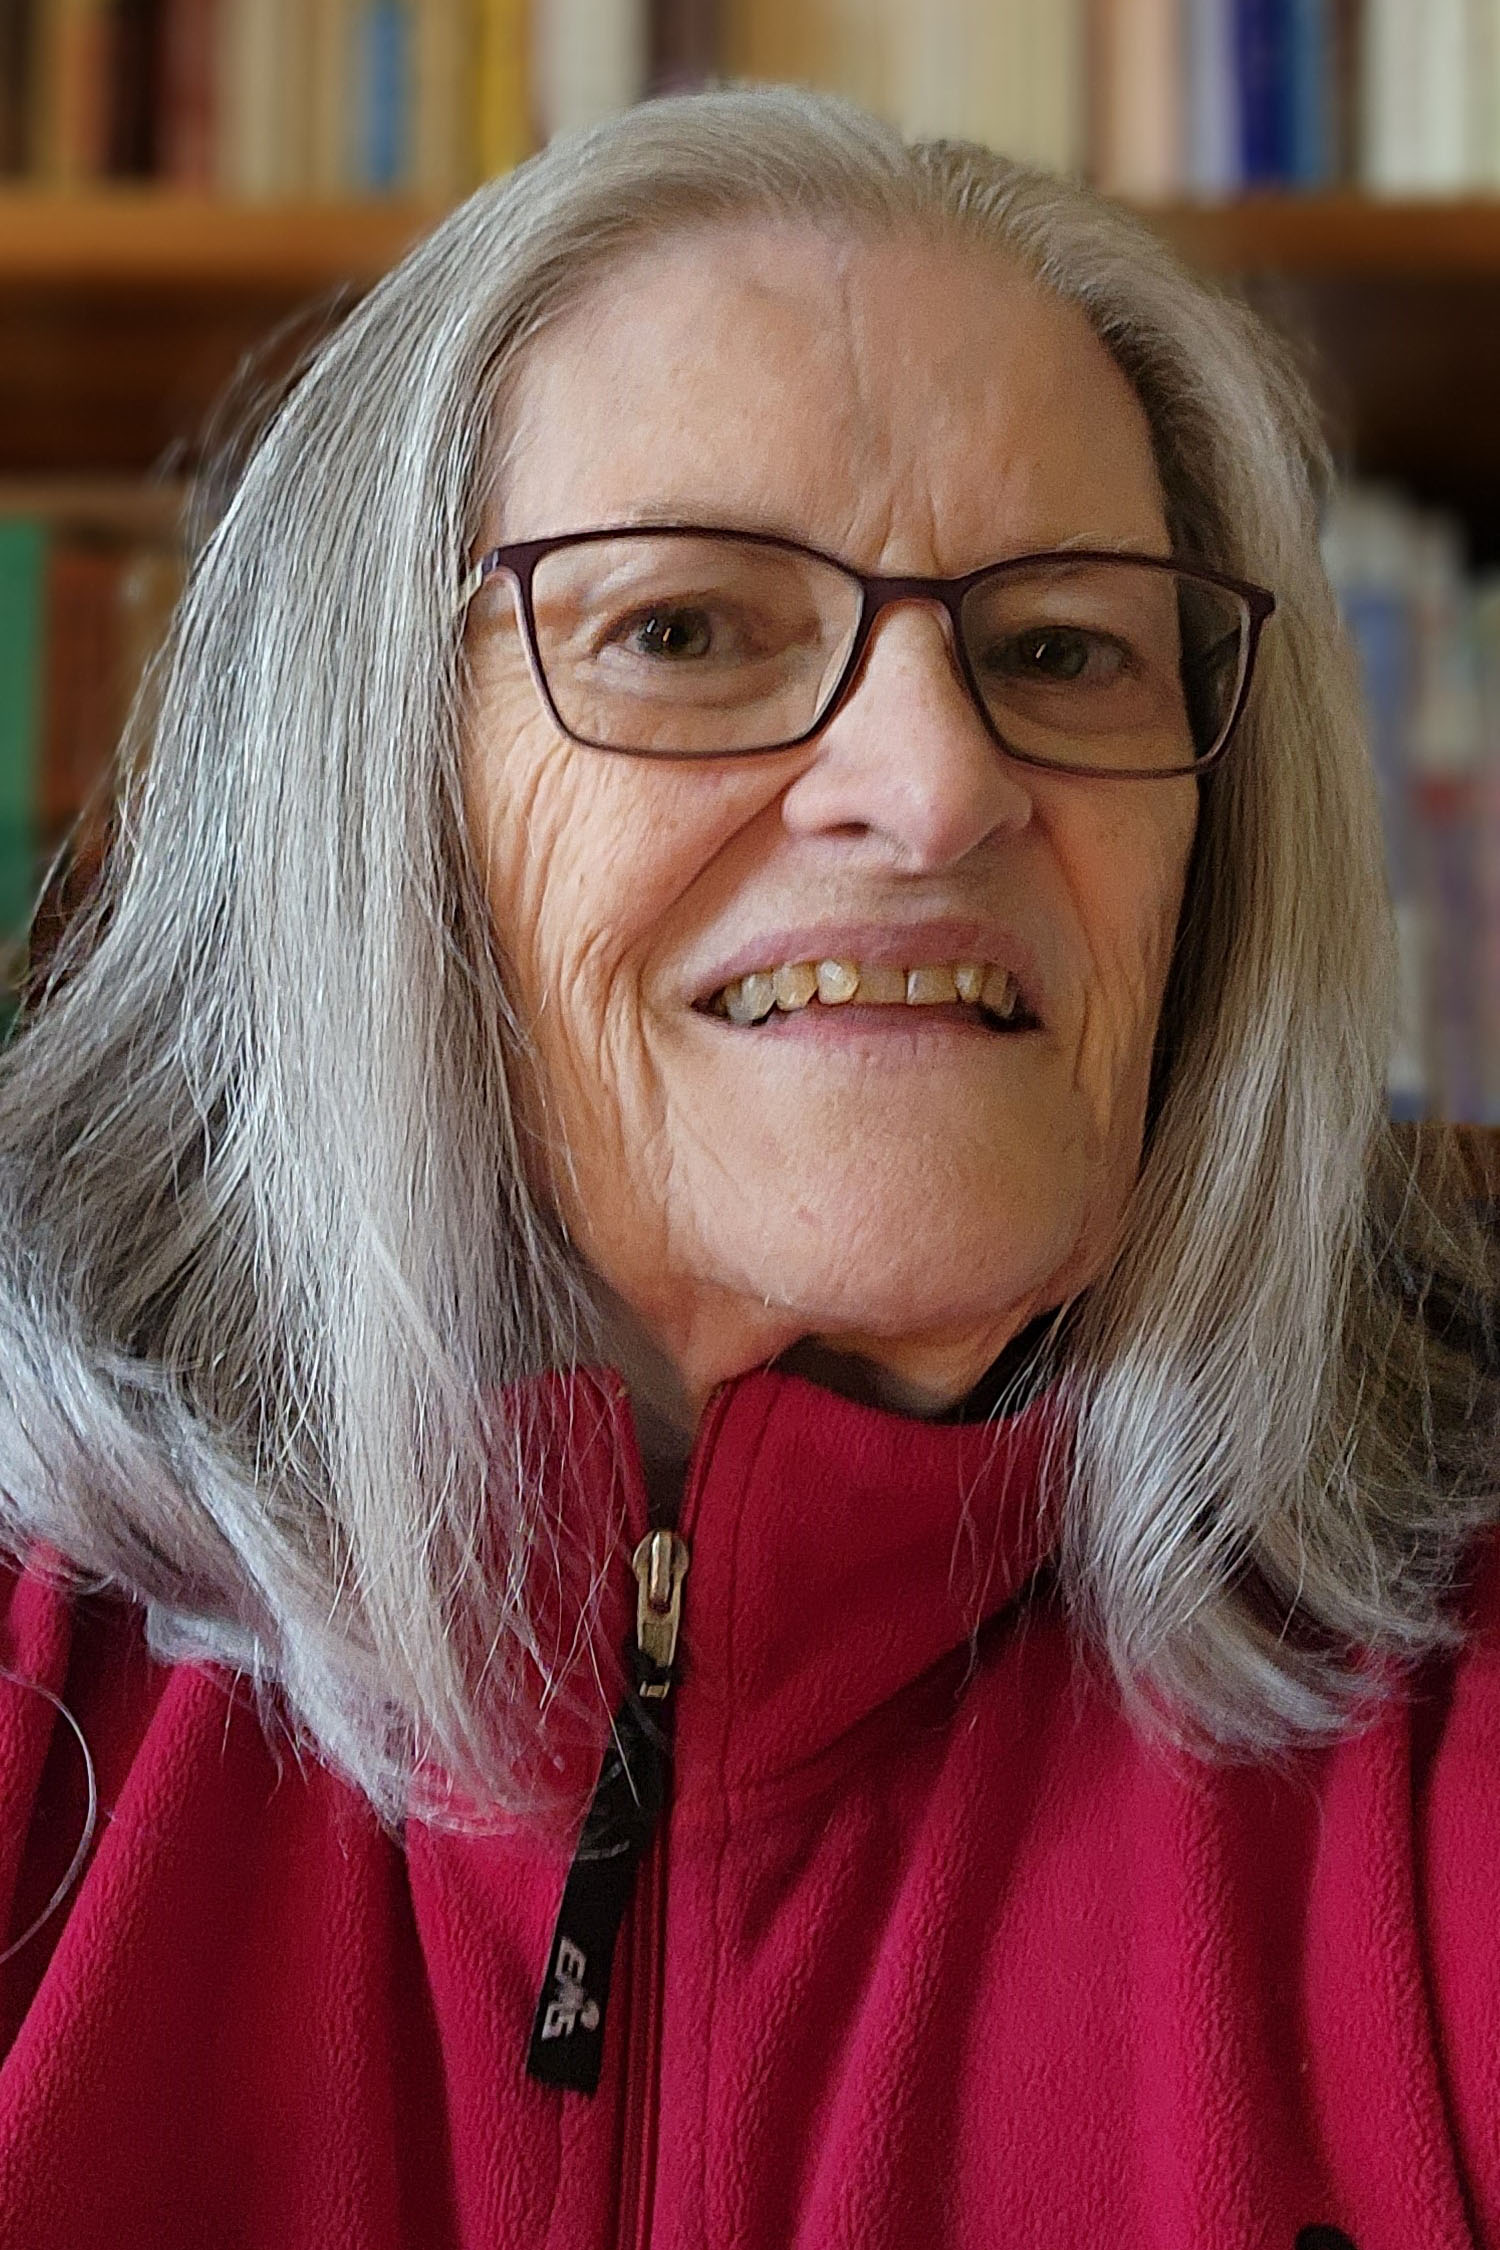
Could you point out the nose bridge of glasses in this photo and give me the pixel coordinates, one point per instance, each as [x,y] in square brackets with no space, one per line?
[882,595]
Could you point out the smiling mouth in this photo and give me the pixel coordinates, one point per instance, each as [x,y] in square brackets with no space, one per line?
[978,991]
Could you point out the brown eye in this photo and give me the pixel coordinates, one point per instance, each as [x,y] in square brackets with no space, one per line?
[1056,653]
[671,633]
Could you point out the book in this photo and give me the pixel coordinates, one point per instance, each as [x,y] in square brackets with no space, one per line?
[1309,100]
[382,89]
[1136,98]
[187,92]
[23,557]
[588,59]
[441,145]
[69,91]
[682,45]
[16,26]
[1212,164]
[1263,72]
[502,113]
[131,75]
[328,44]
[251,79]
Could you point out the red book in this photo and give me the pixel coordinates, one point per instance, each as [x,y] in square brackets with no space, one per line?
[186,65]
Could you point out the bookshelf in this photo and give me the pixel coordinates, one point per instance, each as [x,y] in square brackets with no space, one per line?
[128,237]
[128,311]
[125,311]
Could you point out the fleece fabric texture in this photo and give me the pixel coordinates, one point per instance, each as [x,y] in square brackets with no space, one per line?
[929,1951]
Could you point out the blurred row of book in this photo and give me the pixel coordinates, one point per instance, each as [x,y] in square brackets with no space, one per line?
[88,580]
[1426,631]
[1155,99]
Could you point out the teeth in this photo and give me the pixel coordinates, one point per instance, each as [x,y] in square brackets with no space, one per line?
[837,981]
[750,999]
[883,987]
[929,988]
[794,985]
[999,994]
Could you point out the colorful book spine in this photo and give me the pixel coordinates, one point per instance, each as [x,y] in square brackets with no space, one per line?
[1263,66]
[441,155]
[1212,163]
[503,128]
[682,45]
[384,86]
[17,23]
[589,58]
[70,90]
[1137,125]
[1309,103]
[187,92]
[23,558]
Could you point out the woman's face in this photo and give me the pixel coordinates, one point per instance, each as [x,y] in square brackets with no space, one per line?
[898,1186]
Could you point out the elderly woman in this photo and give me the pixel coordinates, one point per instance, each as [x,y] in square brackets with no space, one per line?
[731,1462]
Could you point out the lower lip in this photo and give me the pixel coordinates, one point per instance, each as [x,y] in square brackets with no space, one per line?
[853,1024]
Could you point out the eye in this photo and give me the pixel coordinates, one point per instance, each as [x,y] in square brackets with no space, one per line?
[670,633]
[1059,654]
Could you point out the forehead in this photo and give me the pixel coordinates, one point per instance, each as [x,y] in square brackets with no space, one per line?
[913,403]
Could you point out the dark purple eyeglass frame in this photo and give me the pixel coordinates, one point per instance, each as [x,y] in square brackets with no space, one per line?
[519,560]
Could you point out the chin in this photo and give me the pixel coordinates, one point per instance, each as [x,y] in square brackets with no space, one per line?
[921,1280]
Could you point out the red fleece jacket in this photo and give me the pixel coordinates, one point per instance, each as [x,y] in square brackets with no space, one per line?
[928,1950]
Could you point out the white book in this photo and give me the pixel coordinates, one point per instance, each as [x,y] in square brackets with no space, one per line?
[1392,104]
[1482,112]
[1441,156]
[1138,123]
[1212,162]
[588,60]
[1052,125]
[331,91]
[253,106]
[937,86]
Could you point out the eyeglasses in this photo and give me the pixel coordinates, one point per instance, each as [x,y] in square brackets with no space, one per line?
[687,642]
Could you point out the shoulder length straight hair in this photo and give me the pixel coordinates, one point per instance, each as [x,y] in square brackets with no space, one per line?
[270,1274]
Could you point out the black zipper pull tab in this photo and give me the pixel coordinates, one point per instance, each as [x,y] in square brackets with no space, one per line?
[567,2034]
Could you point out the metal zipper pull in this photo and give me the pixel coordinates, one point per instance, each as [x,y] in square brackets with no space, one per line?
[660,1565]
[567,2032]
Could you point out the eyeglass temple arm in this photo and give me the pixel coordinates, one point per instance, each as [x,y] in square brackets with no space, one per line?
[470,583]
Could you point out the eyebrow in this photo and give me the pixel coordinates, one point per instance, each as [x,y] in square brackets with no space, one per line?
[665,514]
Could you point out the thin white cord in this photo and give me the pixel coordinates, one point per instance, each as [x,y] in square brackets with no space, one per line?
[76,1862]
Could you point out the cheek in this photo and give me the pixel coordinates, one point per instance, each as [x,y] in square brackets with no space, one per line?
[590,863]
[1127,878]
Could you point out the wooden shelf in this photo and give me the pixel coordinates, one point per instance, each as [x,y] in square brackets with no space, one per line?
[1336,237]
[155,238]
[125,312]
[148,237]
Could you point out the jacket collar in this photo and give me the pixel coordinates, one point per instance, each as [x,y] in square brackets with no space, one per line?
[839,1552]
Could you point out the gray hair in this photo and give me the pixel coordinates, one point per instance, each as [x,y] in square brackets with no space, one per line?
[271,1278]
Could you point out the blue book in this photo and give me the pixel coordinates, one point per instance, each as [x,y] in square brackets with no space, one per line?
[1263,67]
[1310,123]
[385,90]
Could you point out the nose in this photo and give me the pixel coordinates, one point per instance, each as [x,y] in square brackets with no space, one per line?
[906,757]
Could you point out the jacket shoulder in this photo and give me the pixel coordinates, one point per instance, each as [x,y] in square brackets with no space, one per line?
[1456,1854]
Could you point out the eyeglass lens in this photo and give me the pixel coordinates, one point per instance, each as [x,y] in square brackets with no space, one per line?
[689,645]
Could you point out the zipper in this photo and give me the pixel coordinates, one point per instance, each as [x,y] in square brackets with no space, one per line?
[567,2031]
[641,2107]
[620,1863]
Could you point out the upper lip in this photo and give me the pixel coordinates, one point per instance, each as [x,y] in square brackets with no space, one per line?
[885,944]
